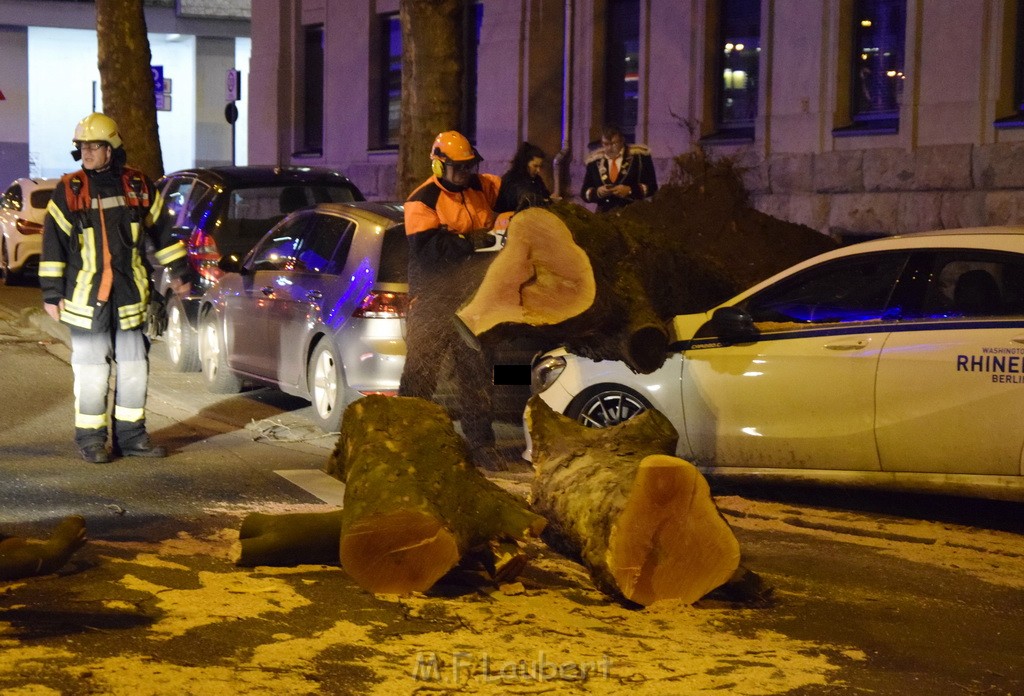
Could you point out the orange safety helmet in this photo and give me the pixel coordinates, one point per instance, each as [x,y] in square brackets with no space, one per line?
[451,147]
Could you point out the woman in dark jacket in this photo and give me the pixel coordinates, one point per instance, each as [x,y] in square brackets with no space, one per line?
[521,185]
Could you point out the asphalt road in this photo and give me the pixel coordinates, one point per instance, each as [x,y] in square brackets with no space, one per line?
[872,593]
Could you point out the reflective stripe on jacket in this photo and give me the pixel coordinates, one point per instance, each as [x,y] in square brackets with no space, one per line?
[71,265]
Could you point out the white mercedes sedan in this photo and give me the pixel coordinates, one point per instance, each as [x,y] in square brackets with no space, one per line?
[896,362]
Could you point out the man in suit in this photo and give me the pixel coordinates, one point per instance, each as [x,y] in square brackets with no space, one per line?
[616,174]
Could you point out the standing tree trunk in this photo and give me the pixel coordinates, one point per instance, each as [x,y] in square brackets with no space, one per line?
[432,67]
[126,80]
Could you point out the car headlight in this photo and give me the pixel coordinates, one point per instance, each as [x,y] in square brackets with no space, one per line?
[545,372]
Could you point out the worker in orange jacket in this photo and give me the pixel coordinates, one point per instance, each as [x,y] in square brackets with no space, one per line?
[447,218]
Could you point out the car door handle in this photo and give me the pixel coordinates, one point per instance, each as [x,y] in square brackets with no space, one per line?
[848,345]
[314,295]
[268,291]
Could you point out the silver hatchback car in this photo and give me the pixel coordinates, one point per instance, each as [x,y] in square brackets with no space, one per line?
[315,309]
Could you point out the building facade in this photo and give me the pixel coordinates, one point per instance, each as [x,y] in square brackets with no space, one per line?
[49,79]
[854,117]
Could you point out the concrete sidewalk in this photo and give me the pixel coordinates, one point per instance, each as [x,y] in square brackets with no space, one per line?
[268,414]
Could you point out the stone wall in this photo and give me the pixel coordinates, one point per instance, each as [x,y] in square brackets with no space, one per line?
[878,192]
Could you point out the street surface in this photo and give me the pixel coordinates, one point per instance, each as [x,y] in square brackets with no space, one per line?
[873,593]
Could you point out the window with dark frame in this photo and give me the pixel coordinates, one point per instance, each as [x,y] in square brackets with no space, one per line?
[389,115]
[879,28]
[1016,119]
[470,50]
[1018,73]
[312,132]
[622,66]
[737,63]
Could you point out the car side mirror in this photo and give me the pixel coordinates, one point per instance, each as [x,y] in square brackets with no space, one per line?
[231,264]
[731,325]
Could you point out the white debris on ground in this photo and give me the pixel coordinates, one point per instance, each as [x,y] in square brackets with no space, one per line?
[276,430]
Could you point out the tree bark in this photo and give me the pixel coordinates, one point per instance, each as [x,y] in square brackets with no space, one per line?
[126,79]
[432,69]
[641,520]
[289,540]
[413,504]
[21,558]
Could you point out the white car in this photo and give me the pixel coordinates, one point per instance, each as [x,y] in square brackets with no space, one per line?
[22,210]
[896,362]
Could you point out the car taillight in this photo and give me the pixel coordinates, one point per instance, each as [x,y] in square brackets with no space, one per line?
[382,305]
[28,227]
[203,256]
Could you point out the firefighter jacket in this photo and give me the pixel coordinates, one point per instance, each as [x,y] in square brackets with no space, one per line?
[636,172]
[88,208]
[437,221]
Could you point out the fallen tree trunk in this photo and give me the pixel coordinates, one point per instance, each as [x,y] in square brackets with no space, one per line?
[564,277]
[21,557]
[413,504]
[641,520]
[291,539]
[606,285]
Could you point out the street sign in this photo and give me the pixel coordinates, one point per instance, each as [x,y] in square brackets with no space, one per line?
[158,78]
[234,85]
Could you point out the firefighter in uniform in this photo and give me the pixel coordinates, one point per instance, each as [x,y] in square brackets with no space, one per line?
[94,275]
[447,219]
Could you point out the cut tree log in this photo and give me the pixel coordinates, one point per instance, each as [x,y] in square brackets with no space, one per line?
[291,539]
[561,279]
[606,285]
[21,557]
[642,521]
[413,504]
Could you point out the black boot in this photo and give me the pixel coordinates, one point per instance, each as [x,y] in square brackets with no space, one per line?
[143,447]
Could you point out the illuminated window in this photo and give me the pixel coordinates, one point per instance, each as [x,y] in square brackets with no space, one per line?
[622,66]
[877,63]
[736,63]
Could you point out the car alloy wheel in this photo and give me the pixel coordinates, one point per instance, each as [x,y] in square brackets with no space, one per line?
[325,387]
[218,377]
[606,405]
[181,341]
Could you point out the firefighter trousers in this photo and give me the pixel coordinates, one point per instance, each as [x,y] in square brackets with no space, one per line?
[91,358]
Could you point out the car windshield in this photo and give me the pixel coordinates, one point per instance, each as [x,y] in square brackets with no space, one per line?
[40,198]
[251,212]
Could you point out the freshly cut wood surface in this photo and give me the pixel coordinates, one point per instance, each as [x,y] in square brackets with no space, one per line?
[670,541]
[414,505]
[642,521]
